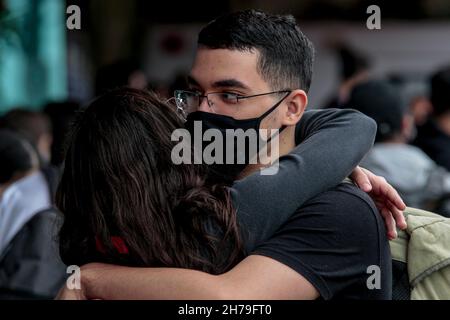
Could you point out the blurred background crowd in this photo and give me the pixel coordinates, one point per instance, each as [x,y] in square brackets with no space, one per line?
[399,75]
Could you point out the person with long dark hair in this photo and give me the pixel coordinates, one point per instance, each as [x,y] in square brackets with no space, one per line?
[120,188]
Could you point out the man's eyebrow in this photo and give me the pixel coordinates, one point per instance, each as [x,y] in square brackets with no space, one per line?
[230,83]
[225,83]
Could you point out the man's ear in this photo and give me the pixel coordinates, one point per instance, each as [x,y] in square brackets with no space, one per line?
[296,105]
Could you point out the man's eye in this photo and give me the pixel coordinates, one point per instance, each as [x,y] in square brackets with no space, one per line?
[229,97]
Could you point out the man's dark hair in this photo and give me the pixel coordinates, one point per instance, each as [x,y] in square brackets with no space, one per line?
[440,91]
[286,54]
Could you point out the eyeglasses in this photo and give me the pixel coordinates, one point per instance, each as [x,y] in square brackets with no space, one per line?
[225,103]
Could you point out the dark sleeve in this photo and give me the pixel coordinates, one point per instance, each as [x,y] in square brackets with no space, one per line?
[32,268]
[332,143]
[332,241]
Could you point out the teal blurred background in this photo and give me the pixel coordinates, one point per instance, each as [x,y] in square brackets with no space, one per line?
[33,58]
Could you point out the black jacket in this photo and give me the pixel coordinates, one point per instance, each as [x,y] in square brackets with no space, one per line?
[30,267]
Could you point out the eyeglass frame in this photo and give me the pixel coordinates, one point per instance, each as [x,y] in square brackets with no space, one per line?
[238,97]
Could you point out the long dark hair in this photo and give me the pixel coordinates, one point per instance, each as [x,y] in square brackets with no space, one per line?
[119,182]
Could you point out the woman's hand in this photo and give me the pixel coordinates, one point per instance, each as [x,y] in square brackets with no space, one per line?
[386,198]
[88,273]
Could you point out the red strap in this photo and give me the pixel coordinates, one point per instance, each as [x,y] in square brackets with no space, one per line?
[117,242]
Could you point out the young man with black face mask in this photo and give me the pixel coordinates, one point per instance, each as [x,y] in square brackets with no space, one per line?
[243,140]
[329,244]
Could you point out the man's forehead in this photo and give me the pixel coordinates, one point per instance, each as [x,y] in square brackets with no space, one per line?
[224,68]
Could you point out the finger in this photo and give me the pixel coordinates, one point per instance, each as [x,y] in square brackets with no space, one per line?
[382,187]
[379,203]
[394,198]
[361,179]
[398,216]
[386,215]
[393,212]
[390,224]
[383,212]
[381,206]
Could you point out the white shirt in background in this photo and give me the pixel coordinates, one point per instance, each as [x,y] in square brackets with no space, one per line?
[19,203]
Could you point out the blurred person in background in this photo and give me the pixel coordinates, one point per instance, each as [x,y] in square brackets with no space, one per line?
[354,69]
[18,159]
[122,73]
[36,127]
[434,136]
[62,115]
[418,179]
[29,262]
[416,97]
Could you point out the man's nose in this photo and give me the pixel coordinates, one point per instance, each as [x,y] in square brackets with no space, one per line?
[204,106]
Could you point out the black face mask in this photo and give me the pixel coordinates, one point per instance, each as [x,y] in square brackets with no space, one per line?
[229,172]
